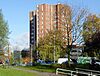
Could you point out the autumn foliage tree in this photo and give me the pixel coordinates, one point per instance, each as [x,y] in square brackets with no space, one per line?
[52,41]
[92,34]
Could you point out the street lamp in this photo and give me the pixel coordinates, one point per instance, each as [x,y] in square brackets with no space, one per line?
[54,48]
[31,54]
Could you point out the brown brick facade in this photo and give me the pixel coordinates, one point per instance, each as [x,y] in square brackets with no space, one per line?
[45,18]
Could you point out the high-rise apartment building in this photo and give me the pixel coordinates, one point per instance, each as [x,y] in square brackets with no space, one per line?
[47,17]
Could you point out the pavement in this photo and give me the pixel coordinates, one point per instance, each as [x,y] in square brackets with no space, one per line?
[38,72]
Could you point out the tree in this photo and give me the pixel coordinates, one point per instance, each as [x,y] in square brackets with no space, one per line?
[51,42]
[96,40]
[25,53]
[73,24]
[92,34]
[4,31]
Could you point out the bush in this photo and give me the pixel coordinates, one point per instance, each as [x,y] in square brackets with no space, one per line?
[84,66]
[56,66]
[66,66]
[88,66]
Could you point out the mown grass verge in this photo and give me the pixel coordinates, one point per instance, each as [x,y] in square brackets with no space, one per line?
[41,68]
[13,72]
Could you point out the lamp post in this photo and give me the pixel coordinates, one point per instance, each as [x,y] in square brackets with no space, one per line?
[31,54]
[54,48]
[8,54]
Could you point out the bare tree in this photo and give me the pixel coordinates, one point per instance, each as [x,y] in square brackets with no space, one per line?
[72,22]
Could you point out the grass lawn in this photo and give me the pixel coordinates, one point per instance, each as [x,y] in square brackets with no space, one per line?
[13,72]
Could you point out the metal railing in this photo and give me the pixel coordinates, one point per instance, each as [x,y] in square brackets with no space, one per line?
[78,71]
[87,72]
[64,71]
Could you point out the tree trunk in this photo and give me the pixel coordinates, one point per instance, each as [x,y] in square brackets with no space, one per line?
[69,57]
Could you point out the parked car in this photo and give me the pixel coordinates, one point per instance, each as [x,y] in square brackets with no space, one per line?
[49,62]
[97,62]
[71,62]
[41,61]
[63,60]
[22,64]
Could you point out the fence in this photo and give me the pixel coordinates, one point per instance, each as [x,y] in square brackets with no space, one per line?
[78,71]
[87,72]
[64,71]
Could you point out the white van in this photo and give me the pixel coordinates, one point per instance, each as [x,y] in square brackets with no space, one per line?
[62,60]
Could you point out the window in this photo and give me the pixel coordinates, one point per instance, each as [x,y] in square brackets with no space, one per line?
[42,7]
[32,29]
[42,31]
[42,26]
[63,16]
[42,13]
[63,29]
[32,24]
[32,37]
[42,22]
[32,41]
[32,21]
[32,33]
[42,17]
